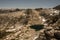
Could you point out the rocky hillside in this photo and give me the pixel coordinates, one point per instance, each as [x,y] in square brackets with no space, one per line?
[57,7]
[30,24]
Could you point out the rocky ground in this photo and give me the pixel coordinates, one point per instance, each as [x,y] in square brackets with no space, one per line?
[30,24]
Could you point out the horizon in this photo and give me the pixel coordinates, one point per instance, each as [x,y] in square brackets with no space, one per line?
[24,4]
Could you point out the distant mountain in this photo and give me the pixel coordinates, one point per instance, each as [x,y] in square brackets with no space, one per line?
[57,7]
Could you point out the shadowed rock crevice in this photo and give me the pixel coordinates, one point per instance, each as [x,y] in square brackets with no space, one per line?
[3,34]
[37,27]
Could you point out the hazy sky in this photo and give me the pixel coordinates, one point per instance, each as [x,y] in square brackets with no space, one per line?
[28,3]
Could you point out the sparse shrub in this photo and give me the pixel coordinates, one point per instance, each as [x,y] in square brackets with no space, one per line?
[38,9]
[43,14]
[28,11]
[17,9]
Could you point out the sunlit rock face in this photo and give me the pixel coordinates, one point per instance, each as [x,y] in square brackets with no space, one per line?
[30,24]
